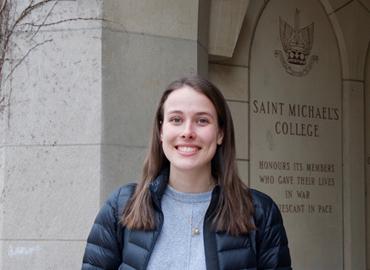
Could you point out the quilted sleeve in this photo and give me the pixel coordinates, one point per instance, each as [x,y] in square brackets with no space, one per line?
[273,242]
[102,250]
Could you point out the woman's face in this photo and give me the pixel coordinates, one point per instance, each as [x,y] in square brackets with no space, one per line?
[190,131]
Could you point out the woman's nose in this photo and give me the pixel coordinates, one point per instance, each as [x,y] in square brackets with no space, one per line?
[188,131]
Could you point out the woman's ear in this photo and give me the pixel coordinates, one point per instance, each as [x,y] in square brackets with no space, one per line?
[220,137]
[160,134]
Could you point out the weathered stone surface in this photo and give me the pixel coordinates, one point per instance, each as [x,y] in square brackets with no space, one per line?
[61,15]
[203,23]
[41,255]
[2,182]
[367,142]
[120,165]
[354,35]
[239,112]
[353,173]
[240,55]
[178,19]
[136,70]
[366,4]
[231,80]
[50,192]
[56,172]
[56,91]
[332,5]
[226,18]
[49,152]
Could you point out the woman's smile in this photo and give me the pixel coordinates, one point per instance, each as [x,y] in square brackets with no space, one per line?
[187,149]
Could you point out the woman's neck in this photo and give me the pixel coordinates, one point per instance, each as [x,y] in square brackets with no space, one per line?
[191,181]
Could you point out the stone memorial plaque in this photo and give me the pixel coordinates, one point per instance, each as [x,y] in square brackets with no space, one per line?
[296,128]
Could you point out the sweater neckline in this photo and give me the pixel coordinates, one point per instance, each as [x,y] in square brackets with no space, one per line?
[188,197]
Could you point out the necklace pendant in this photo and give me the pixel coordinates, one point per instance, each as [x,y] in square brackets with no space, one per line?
[195,231]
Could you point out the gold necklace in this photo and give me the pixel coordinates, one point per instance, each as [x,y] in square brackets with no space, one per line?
[195,230]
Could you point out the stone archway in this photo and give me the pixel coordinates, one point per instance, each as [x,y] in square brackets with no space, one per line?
[296,147]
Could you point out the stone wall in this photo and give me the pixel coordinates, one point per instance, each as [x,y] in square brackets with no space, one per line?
[50,140]
[80,114]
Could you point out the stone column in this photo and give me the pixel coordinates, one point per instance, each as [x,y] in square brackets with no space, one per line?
[351,23]
[50,139]
[80,114]
[149,44]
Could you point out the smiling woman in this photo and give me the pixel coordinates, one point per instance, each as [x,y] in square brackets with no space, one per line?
[190,135]
[190,210]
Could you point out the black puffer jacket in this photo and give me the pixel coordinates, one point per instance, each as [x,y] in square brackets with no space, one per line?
[111,247]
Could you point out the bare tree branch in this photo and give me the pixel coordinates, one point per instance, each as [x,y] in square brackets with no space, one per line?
[31,7]
[4,30]
[3,4]
[27,11]
[63,21]
[43,22]
[25,56]
[11,22]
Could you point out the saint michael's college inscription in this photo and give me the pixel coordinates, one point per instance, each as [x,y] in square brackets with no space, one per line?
[295,128]
[296,112]
[302,183]
[291,161]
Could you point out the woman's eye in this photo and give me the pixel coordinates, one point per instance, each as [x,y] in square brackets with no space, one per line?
[175,120]
[203,121]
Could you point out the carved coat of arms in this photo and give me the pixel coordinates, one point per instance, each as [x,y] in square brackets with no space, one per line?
[297,45]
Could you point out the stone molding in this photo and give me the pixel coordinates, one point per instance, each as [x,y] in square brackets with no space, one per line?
[226,19]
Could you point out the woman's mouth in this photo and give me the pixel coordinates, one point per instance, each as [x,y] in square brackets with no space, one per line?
[187,149]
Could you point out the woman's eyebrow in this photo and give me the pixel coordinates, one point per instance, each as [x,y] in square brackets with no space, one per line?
[205,113]
[197,113]
[174,111]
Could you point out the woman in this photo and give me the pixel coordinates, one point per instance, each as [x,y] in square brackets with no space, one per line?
[190,210]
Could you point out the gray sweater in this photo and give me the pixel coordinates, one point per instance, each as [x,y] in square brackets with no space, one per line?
[179,245]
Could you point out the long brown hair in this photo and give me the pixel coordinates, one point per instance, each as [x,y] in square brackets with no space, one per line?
[234,208]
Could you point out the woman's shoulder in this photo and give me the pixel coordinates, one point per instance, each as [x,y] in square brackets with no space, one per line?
[121,194]
[265,209]
[260,199]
